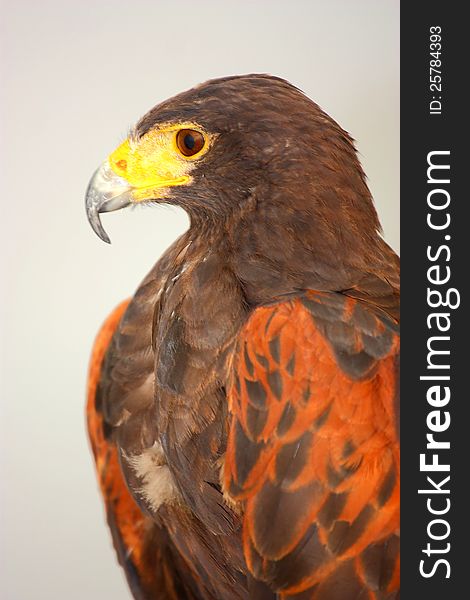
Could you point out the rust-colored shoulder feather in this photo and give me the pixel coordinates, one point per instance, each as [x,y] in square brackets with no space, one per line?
[313,451]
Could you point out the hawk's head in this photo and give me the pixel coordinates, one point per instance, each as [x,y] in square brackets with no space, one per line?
[235,143]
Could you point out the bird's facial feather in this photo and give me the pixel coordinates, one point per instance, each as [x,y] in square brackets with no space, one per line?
[145,168]
[163,158]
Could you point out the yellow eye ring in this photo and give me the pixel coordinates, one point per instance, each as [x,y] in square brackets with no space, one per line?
[189,142]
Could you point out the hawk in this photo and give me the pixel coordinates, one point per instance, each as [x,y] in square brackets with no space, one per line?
[243,404]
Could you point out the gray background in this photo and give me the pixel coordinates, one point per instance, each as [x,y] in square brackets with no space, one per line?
[75,76]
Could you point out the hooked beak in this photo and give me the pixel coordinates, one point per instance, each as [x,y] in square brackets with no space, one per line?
[106,192]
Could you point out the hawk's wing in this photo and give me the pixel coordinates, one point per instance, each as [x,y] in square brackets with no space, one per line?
[313,451]
[151,565]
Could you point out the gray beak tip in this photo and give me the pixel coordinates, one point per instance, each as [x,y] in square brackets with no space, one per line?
[106,192]
[105,237]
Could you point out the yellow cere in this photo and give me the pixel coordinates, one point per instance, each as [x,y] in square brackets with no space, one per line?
[154,162]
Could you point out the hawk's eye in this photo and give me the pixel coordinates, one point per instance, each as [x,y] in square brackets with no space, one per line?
[189,142]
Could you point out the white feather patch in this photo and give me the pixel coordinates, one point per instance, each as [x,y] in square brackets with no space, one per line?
[158,486]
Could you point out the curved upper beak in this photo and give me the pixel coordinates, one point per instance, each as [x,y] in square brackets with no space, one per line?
[106,192]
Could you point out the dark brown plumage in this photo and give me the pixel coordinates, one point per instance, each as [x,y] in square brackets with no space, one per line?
[248,393]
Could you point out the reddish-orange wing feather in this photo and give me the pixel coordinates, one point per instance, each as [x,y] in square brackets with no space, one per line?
[127,520]
[313,451]
[144,550]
